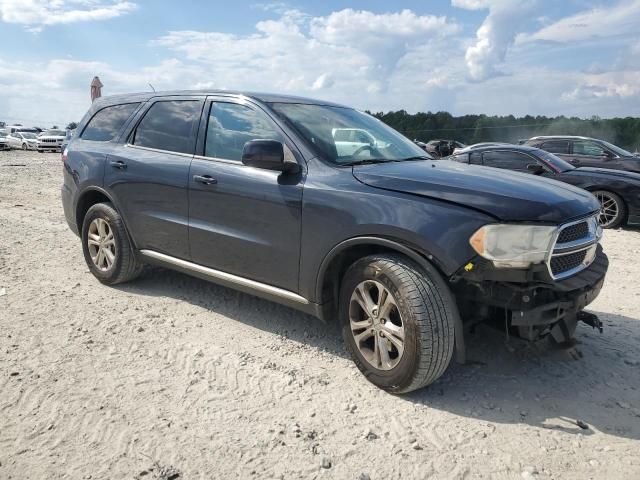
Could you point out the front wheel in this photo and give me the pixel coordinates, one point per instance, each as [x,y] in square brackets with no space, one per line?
[24,146]
[397,321]
[613,211]
[106,246]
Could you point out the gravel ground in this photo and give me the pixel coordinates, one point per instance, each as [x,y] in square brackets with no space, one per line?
[172,377]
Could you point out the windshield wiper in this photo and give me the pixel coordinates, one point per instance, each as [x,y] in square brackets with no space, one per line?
[368,161]
[417,157]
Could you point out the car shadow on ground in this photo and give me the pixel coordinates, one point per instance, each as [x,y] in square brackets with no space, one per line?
[506,380]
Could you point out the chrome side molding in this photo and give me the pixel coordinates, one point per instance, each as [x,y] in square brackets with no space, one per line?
[226,277]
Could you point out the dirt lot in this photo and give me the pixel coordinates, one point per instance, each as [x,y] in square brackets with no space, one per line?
[171,375]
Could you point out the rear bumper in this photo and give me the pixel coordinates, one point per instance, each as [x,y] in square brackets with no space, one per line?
[533,308]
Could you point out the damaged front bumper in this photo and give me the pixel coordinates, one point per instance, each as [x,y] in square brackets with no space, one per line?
[529,303]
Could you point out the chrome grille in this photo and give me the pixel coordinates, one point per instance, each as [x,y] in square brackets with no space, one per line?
[563,263]
[574,248]
[574,232]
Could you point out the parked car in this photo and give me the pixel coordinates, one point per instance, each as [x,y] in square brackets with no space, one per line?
[617,191]
[23,140]
[351,141]
[21,128]
[51,140]
[252,192]
[4,143]
[442,148]
[587,152]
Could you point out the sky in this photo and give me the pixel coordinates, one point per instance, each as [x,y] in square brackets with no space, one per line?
[497,57]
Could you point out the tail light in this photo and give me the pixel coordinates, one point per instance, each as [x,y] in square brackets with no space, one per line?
[64,154]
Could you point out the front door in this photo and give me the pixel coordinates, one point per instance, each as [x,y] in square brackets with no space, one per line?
[243,220]
[589,154]
[148,175]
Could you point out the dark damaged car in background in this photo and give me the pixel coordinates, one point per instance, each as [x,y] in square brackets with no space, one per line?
[617,191]
[326,209]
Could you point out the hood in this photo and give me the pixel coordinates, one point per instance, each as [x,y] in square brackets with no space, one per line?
[507,196]
[606,173]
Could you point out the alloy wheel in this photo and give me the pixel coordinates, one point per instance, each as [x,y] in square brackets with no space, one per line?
[376,325]
[102,245]
[609,209]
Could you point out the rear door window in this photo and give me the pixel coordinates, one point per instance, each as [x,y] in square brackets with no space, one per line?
[231,125]
[105,125]
[508,160]
[556,146]
[169,125]
[461,157]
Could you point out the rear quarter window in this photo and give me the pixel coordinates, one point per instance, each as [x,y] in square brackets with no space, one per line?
[106,123]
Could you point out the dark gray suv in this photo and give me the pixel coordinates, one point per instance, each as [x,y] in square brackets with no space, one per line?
[328,210]
[587,152]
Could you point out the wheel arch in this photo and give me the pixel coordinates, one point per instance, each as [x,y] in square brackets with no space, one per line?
[605,188]
[86,200]
[345,253]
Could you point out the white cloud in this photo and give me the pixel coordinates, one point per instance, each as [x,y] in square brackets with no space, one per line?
[619,19]
[495,35]
[471,4]
[350,50]
[38,13]
[609,85]
[397,60]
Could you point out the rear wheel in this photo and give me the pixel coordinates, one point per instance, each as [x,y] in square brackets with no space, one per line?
[397,321]
[106,246]
[613,211]
[24,146]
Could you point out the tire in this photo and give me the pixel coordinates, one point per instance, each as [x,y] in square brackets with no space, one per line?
[614,213]
[40,151]
[424,309]
[124,264]
[25,147]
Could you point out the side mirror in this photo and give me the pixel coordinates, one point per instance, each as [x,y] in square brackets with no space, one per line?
[535,168]
[607,154]
[267,154]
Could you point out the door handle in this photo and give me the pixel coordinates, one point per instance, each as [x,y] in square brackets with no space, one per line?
[206,179]
[119,164]
[575,160]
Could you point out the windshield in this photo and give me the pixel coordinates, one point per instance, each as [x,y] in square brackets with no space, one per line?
[345,136]
[556,162]
[617,150]
[28,134]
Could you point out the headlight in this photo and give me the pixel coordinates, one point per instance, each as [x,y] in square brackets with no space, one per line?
[513,246]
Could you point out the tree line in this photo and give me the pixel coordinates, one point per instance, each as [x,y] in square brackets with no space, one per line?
[469,129]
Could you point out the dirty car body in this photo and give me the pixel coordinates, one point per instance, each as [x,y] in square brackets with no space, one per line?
[294,231]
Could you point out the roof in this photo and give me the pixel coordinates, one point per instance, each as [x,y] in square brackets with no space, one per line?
[560,137]
[261,97]
[499,146]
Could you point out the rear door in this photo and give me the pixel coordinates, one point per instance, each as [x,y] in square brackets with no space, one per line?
[561,148]
[148,173]
[243,220]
